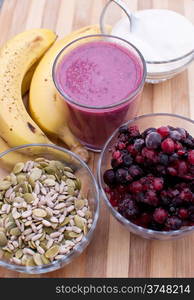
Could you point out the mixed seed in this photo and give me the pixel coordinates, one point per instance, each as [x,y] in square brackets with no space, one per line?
[42,214]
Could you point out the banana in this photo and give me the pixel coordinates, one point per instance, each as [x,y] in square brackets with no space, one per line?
[9,160]
[47,109]
[17,56]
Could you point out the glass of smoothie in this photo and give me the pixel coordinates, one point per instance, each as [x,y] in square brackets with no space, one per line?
[101,78]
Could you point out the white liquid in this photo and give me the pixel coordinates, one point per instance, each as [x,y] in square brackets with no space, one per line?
[159,34]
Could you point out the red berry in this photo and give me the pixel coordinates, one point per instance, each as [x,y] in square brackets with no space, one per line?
[132,150]
[136,187]
[178,146]
[160,215]
[183,213]
[191,157]
[116,154]
[172,171]
[149,154]
[134,131]
[182,167]
[158,184]
[163,131]
[121,146]
[168,146]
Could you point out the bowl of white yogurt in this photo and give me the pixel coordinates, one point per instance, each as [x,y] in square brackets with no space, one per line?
[165,38]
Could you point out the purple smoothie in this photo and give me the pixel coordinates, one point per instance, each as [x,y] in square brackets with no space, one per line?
[95,78]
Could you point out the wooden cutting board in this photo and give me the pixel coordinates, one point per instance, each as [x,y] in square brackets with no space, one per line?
[114,252]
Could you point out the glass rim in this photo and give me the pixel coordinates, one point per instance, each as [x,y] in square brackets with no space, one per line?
[115,213]
[133,94]
[81,245]
[157,62]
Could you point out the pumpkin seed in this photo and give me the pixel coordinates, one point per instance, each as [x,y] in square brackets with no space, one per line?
[65,222]
[88,214]
[3,239]
[29,198]
[30,262]
[24,187]
[71,183]
[18,167]
[70,190]
[4,185]
[35,174]
[15,231]
[21,178]
[85,229]
[45,260]
[52,252]
[50,170]
[37,259]
[79,222]
[79,204]
[13,179]
[73,234]
[49,182]
[69,175]
[78,184]
[39,213]
[7,255]
[68,169]
[19,253]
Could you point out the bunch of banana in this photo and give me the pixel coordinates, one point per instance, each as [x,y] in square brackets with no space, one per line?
[17,56]
[47,109]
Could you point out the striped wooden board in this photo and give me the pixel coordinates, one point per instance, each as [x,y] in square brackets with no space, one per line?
[114,252]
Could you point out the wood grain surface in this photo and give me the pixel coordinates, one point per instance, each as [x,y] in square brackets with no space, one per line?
[114,252]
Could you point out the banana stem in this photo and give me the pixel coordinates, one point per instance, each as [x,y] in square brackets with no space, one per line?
[73,144]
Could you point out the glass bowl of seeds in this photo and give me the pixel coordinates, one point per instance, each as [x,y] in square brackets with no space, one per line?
[49,207]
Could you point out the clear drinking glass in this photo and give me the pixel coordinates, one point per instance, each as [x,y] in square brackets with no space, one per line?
[93,124]
[89,190]
[143,122]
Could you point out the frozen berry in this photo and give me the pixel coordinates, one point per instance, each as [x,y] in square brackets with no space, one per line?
[149,154]
[173,223]
[136,187]
[163,131]
[139,143]
[116,154]
[160,215]
[123,129]
[109,177]
[121,176]
[183,132]
[128,208]
[163,159]
[172,171]
[135,171]
[127,160]
[191,157]
[158,184]
[168,145]
[183,213]
[153,140]
[134,131]
[175,135]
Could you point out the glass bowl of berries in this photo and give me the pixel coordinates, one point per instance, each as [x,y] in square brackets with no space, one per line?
[146,175]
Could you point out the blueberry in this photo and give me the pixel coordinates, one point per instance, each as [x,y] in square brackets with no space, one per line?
[153,140]
[163,159]
[175,135]
[121,176]
[109,177]
[127,160]
[139,143]
[123,129]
